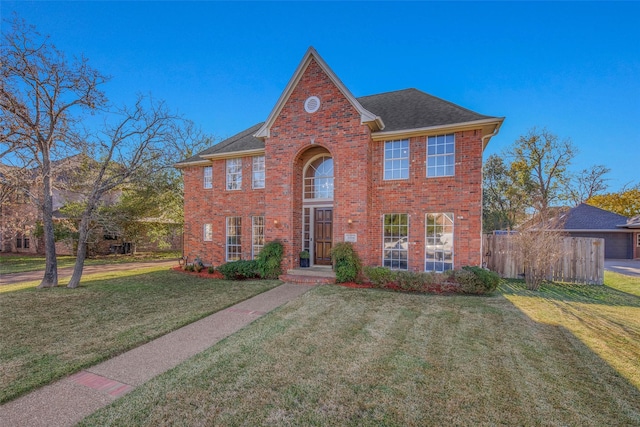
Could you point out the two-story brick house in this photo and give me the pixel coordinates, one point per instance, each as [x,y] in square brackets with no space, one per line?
[399,174]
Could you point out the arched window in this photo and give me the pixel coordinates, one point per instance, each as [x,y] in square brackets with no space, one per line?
[318,181]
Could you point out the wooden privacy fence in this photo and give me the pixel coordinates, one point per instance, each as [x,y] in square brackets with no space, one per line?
[582,259]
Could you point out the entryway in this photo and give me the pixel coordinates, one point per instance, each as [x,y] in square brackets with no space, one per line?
[323,227]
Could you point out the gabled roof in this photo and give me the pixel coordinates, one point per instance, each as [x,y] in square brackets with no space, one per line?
[243,141]
[587,217]
[413,109]
[366,116]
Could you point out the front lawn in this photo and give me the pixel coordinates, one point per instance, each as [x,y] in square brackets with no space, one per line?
[19,263]
[47,334]
[340,356]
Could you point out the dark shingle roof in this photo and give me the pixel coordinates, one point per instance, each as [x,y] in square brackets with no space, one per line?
[587,217]
[414,109]
[399,110]
[239,142]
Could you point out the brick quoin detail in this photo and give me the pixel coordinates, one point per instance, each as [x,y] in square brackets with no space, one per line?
[360,193]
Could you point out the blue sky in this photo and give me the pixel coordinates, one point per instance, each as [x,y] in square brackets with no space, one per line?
[571,67]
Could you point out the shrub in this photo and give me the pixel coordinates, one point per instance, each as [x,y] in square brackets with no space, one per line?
[238,270]
[189,267]
[476,280]
[346,262]
[269,259]
[379,276]
[409,280]
[211,269]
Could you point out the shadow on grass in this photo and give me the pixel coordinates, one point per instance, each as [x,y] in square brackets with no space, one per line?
[588,294]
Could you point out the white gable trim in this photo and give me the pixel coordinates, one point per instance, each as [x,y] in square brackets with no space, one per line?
[366,116]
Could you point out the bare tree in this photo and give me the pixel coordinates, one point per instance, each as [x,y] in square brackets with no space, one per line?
[588,183]
[129,151]
[40,93]
[539,244]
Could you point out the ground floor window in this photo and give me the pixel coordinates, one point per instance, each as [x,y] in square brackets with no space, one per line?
[258,235]
[234,234]
[19,241]
[207,233]
[439,242]
[395,241]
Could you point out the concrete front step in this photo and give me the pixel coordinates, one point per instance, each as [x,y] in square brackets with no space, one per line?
[315,271]
[307,279]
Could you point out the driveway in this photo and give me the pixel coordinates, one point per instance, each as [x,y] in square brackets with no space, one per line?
[65,273]
[629,267]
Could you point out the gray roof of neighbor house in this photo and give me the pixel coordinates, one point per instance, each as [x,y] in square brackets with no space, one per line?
[400,110]
[633,222]
[587,217]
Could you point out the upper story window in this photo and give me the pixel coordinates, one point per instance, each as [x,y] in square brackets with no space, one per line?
[208,177]
[234,174]
[396,159]
[257,180]
[318,179]
[441,155]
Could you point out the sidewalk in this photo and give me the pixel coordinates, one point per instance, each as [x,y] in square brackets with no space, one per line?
[65,273]
[68,401]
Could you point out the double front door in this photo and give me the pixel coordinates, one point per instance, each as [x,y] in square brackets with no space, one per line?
[323,234]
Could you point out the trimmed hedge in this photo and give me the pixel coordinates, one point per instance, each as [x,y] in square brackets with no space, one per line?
[239,270]
[468,280]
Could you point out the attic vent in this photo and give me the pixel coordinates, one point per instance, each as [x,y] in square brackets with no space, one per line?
[312,104]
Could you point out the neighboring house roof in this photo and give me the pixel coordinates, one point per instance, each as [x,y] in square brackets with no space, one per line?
[388,114]
[633,222]
[590,218]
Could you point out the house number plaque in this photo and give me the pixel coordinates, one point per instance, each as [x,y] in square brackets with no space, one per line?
[351,237]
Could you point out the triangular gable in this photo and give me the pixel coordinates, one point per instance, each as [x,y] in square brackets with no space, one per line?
[366,116]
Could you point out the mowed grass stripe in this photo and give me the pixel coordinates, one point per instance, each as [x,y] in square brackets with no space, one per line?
[340,356]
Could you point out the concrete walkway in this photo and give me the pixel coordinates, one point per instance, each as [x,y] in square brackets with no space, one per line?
[65,273]
[68,401]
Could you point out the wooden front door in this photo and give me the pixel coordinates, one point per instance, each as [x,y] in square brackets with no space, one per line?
[323,227]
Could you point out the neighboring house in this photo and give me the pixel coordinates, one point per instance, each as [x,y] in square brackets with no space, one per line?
[621,235]
[399,174]
[19,214]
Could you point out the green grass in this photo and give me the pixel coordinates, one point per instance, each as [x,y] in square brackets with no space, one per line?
[623,283]
[339,356]
[12,263]
[47,334]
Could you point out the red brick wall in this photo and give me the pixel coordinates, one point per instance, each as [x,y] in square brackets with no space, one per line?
[360,193]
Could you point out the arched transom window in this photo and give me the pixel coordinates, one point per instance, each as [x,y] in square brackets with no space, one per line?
[318,179]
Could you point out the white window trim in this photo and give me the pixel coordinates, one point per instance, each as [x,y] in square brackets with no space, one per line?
[226,241]
[384,159]
[304,179]
[408,240]
[253,235]
[239,174]
[208,232]
[207,179]
[440,155]
[253,172]
[453,234]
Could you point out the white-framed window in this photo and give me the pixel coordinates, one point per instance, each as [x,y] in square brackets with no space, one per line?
[395,241]
[207,232]
[441,155]
[234,238]
[638,237]
[396,159]
[234,174]
[439,242]
[318,178]
[257,180]
[257,226]
[207,177]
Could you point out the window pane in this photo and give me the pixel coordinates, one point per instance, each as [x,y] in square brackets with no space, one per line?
[395,241]
[396,161]
[438,241]
[441,155]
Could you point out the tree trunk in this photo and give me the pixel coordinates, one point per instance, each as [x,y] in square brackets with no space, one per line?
[50,278]
[78,268]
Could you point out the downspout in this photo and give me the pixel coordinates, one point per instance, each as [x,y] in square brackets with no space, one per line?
[488,136]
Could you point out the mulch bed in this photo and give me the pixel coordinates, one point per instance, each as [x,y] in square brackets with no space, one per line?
[204,273]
